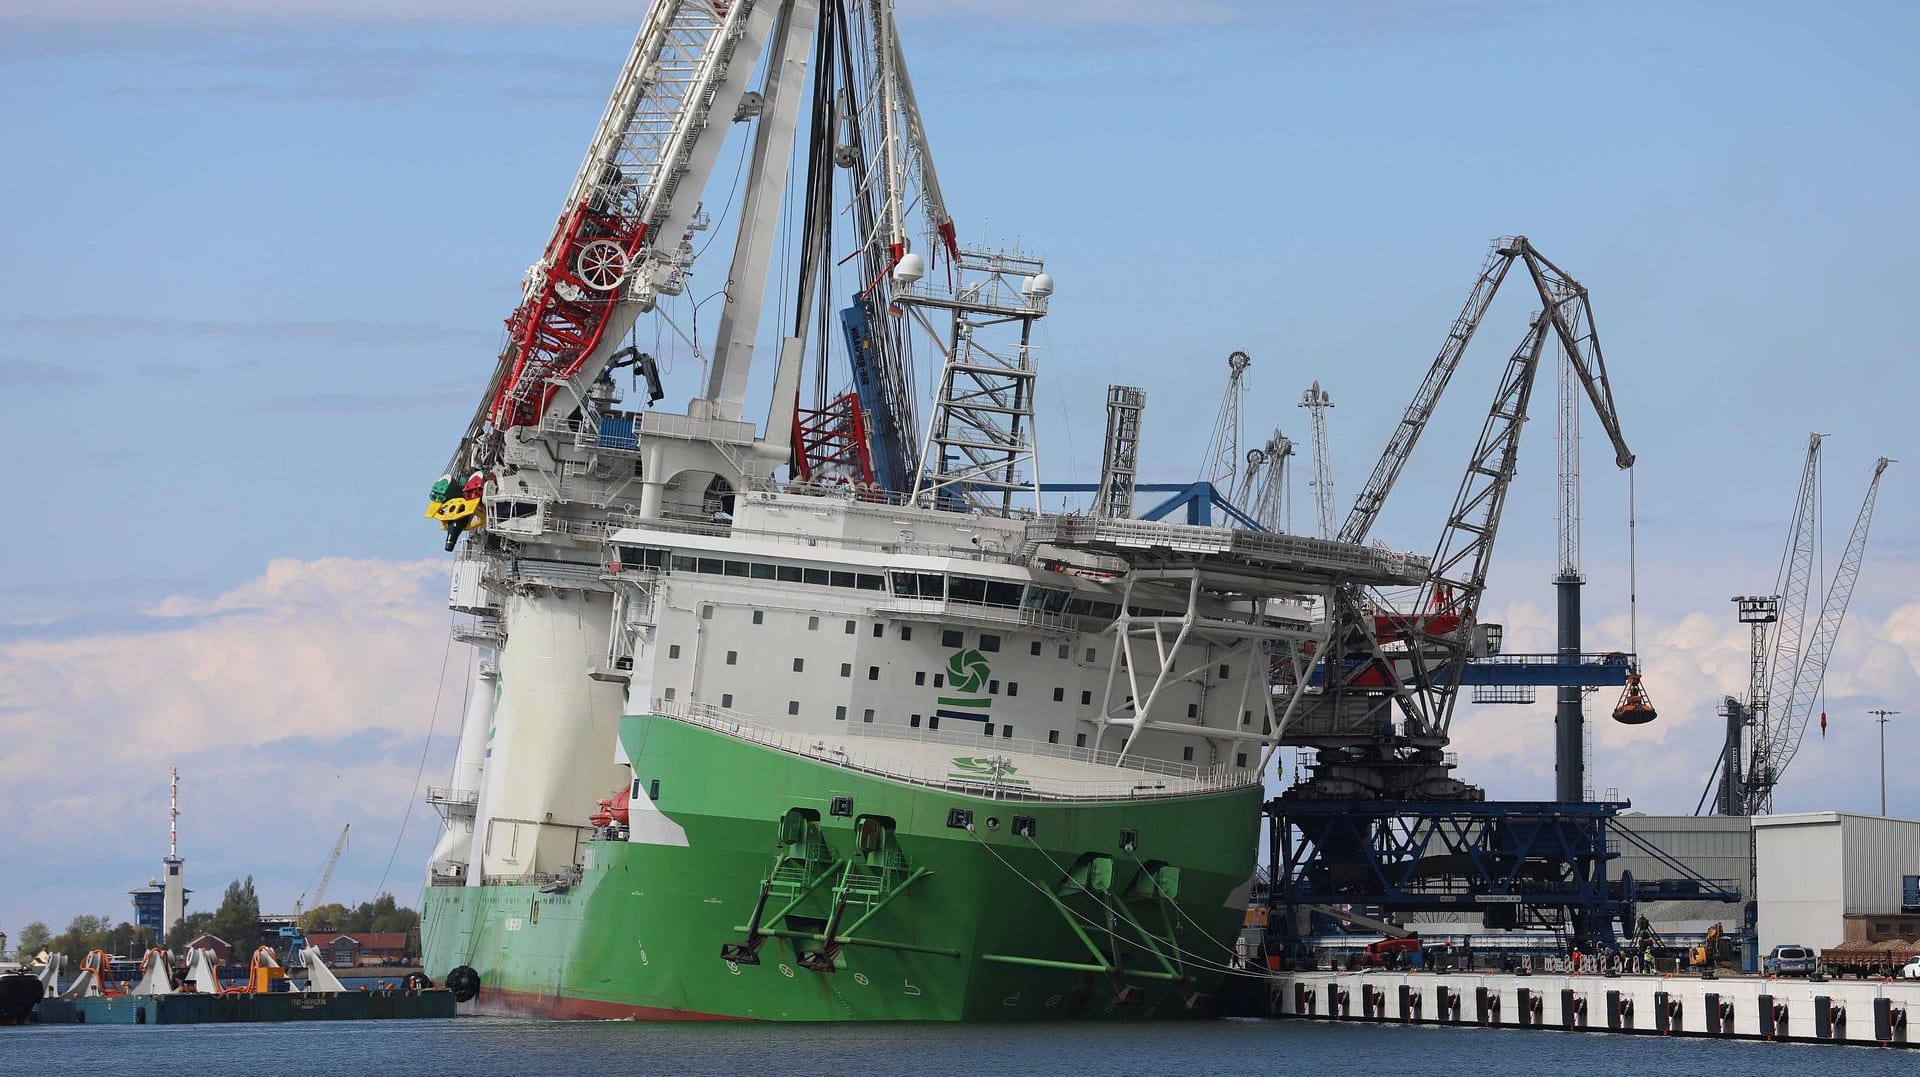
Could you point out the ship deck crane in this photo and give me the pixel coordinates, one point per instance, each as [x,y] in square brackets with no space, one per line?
[1223,460]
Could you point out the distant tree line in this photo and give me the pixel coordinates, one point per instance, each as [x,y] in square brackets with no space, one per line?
[236,922]
[382,914]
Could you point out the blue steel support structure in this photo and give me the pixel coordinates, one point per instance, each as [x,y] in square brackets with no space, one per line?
[1519,864]
[1197,499]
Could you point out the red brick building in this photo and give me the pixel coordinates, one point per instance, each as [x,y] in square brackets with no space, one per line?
[350,949]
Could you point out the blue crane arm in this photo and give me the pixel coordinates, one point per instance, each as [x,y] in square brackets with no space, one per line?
[888,443]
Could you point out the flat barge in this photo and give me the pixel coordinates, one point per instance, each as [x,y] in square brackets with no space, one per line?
[191,1009]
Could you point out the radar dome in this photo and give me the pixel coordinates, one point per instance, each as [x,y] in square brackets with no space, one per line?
[1039,285]
[910,268]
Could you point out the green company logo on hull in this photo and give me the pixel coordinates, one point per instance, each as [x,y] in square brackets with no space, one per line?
[985,769]
[967,672]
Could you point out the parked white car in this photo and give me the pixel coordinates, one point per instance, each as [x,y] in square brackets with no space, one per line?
[1911,970]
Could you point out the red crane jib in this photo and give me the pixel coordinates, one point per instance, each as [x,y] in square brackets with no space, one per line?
[550,335]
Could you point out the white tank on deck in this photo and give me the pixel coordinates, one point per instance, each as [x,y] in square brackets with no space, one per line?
[551,756]
[454,851]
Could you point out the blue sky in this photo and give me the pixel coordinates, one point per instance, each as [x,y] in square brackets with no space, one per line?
[255,269]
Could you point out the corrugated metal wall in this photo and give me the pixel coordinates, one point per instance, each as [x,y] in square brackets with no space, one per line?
[1717,847]
[1878,853]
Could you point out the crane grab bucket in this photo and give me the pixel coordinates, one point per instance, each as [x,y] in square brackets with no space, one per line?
[1634,707]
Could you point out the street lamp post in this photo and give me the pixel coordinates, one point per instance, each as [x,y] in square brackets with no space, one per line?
[1881,716]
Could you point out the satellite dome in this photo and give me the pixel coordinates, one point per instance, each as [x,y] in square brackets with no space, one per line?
[910,268]
[1039,285]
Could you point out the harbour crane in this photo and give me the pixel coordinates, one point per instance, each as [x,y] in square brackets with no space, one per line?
[319,889]
[1380,664]
[1781,693]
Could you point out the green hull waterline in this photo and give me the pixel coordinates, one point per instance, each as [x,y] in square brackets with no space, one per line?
[930,922]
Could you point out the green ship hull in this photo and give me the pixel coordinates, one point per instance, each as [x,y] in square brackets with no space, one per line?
[842,895]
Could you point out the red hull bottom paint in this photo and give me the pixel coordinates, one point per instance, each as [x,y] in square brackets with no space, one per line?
[496,1002]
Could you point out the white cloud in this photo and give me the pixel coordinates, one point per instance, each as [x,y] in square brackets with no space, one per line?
[292,703]
[1692,659]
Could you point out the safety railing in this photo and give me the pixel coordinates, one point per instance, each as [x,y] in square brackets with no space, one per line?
[990,772]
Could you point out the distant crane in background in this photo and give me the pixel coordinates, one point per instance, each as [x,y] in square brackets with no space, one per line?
[319,890]
[1222,465]
[1798,661]
[1317,401]
[1267,491]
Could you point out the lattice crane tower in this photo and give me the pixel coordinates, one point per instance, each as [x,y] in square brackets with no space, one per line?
[1316,400]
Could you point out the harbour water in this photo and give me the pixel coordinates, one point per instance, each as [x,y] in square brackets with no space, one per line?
[1198,1049]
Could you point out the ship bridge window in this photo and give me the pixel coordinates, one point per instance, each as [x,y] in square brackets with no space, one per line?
[840,579]
[642,557]
[1049,599]
[736,568]
[1001,593]
[762,572]
[684,564]
[906,585]
[711,565]
[871,581]
[968,589]
[1082,607]
[787,573]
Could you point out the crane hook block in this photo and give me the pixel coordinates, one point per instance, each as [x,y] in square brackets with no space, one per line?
[1634,707]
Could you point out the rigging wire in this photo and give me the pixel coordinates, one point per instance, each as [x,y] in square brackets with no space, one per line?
[1203,962]
[433,718]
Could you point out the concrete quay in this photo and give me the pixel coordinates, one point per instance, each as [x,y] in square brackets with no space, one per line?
[1853,1012]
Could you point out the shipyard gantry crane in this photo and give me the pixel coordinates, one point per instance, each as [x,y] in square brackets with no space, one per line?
[1773,719]
[1389,681]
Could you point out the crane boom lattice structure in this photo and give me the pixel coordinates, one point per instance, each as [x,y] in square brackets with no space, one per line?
[325,879]
[1316,400]
[1119,463]
[1389,681]
[1786,727]
[1223,461]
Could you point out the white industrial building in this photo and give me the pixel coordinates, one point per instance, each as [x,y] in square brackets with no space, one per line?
[1815,869]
